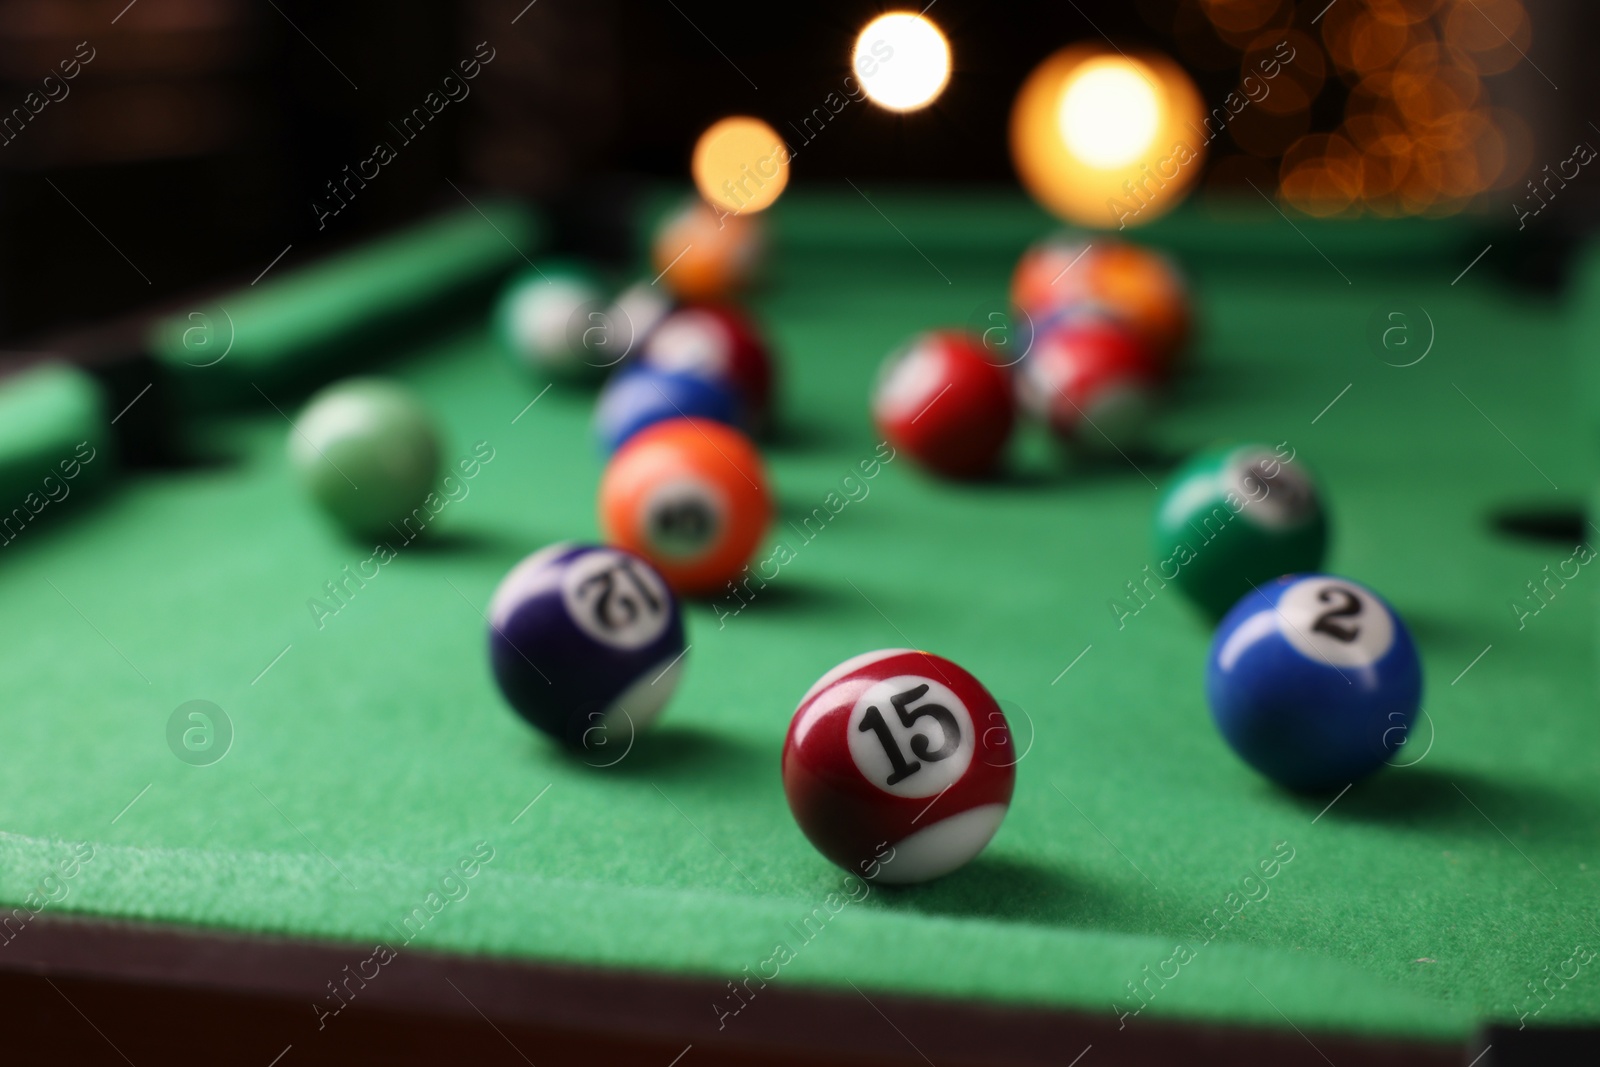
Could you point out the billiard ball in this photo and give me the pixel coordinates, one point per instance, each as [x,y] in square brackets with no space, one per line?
[1036,279]
[703,254]
[634,315]
[642,396]
[586,643]
[942,401]
[689,495]
[1140,286]
[719,344]
[367,452]
[1234,517]
[1091,380]
[898,766]
[1313,681]
[550,320]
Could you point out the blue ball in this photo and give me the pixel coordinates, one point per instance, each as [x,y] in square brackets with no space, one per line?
[642,396]
[1314,681]
[586,643]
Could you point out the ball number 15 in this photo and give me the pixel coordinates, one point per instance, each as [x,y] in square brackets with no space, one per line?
[921,747]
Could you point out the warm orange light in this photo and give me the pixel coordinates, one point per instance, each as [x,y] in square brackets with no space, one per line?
[1404,12]
[1103,139]
[1109,112]
[1492,35]
[1321,174]
[1240,16]
[1375,43]
[1279,85]
[740,164]
[1420,134]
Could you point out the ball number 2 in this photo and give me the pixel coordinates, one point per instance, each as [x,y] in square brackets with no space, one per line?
[619,602]
[1336,623]
[1345,605]
[921,747]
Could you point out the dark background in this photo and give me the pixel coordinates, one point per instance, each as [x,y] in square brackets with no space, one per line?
[191,149]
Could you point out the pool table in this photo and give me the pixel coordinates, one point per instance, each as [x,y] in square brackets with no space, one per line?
[374,859]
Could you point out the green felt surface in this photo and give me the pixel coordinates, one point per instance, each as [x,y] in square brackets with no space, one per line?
[347,309]
[52,419]
[1584,287]
[373,753]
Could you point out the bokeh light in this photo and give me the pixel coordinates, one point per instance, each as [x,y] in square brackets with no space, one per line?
[902,61]
[1294,83]
[740,164]
[1419,133]
[1109,113]
[1492,35]
[1104,139]
[1240,21]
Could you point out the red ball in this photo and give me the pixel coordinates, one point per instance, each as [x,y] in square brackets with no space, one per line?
[899,766]
[940,399]
[1092,380]
[720,344]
